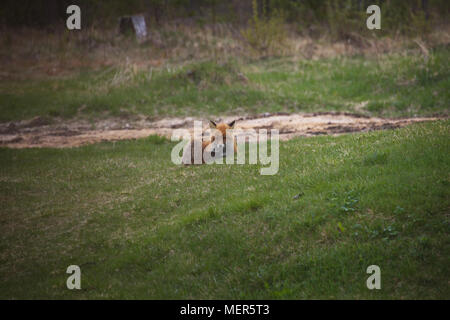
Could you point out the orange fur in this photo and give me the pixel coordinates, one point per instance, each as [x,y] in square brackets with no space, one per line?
[222,128]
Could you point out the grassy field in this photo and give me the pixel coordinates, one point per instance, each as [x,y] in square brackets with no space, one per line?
[141,227]
[391,85]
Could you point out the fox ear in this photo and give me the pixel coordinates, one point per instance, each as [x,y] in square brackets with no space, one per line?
[231,124]
[212,124]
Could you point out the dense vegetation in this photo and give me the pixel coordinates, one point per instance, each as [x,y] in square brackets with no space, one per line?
[338,16]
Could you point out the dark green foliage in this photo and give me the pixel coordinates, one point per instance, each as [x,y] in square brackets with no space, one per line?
[340,17]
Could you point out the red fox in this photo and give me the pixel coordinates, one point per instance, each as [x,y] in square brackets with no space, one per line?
[216,150]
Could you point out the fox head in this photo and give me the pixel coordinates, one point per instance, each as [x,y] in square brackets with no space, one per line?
[221,129]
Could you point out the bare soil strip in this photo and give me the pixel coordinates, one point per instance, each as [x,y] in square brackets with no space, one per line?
[39,133]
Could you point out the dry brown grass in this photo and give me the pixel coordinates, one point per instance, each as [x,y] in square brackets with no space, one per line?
[30,53]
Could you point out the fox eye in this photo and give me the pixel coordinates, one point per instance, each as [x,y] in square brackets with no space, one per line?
[212,124]
[231,124]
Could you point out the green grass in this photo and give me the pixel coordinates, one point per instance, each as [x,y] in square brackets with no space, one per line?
[391,85]
[141,227]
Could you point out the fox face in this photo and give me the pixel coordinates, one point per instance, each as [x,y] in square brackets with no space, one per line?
[221,129]
[215,148]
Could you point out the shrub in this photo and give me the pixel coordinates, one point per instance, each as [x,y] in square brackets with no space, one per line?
[266,34]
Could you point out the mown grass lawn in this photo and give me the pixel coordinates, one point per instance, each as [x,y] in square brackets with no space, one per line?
[142,227]
[391,85]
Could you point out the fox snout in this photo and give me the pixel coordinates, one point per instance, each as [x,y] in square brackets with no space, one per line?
[220,149]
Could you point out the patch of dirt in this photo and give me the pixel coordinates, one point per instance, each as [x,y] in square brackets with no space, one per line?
[38,132]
